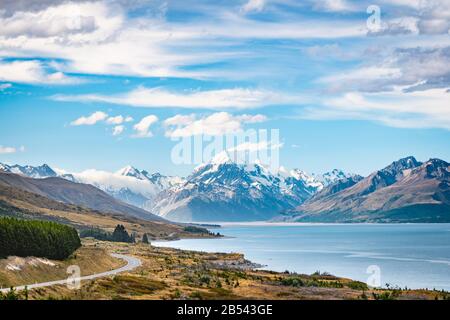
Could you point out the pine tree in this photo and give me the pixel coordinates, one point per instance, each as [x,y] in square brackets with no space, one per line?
[120,234]
[145,239]
[46,239]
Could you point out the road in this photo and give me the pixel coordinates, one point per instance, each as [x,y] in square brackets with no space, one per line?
[132,263]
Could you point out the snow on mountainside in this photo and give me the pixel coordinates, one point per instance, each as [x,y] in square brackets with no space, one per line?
[222,190]
[332,176]
[128,184]
[218,190]
[407,190]
[39,172]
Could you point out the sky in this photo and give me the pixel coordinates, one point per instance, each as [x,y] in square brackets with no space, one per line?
[103,84]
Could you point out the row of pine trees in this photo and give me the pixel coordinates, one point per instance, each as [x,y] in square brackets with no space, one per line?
[119,234]
[46,239]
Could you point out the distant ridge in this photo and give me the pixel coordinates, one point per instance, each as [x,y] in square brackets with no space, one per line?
[65,191]
[405,191]
[222,190]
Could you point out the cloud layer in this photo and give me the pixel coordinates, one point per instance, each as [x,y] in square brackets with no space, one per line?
[219,123]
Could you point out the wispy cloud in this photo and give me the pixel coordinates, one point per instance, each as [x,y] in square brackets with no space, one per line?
[411,68]
[9,150]
[253,6]
[334,5]
[4,86]
[99,37]
[238,98]
[417,109]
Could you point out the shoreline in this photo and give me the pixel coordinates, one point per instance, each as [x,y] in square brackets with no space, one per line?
[221,224]
[337,257]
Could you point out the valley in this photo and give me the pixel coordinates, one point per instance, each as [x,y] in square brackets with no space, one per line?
[406,190]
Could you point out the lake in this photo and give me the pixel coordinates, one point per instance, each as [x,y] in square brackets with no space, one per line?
[412,255]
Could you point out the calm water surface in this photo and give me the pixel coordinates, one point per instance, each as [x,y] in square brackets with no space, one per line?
[412,255]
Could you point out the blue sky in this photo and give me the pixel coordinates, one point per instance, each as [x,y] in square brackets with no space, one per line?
[102,84]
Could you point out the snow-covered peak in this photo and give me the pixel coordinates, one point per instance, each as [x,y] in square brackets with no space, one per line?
[221,158]
[332,176]
[4,167]
[39,172]
[130,171]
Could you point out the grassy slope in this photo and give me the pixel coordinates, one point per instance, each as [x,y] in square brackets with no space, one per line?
[90,260]
[176,274]
[19,203]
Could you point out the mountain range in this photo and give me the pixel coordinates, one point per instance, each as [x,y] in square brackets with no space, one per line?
[84,195]
[222,190]
[405,191]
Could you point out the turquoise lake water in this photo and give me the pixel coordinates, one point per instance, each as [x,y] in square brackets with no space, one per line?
[412,255]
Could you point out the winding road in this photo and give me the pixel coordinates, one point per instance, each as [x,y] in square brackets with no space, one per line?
[132,263]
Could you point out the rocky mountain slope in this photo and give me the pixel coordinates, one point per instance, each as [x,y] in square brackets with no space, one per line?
[68,192]
[405,191]
[225,191]
[231,192]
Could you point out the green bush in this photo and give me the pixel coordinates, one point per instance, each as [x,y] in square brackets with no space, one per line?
[45,239]
[194,229]
[120,234]
[96,233]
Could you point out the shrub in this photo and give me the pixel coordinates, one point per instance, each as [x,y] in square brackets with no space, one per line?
[120,234]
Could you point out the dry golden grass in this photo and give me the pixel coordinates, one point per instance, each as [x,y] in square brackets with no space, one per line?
[177,274]
[34,270]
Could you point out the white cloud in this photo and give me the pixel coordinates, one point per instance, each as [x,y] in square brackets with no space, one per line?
[180,120]
[100,37]
[90,120]
[115,120]
[412,68]
[428,17]
[417,109]
[68,21]
[118,130]
[4,86]
[32,72]
[142,128]
[253,6]
[110,180]
[334,5]
[238,98]
[8,150]
[216,124]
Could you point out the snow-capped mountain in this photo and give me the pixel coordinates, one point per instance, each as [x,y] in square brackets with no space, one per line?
[39,172]
[222,190]
[131,185]
[407,190]
[159,180]
[218,190]
[332,176]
